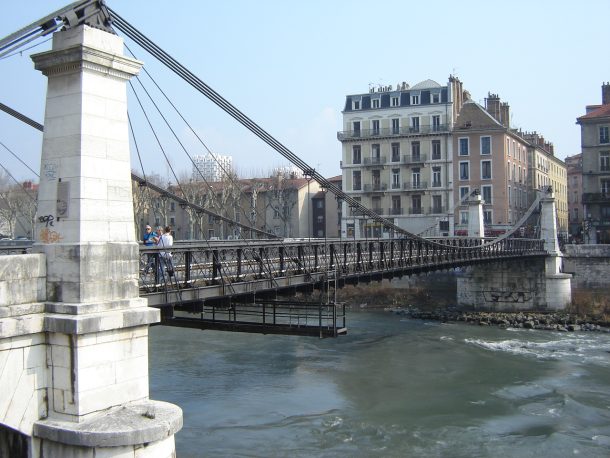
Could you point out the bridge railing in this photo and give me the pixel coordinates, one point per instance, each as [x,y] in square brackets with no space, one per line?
[268,264]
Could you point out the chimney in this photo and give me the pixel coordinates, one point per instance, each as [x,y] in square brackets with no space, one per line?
[492,105]
[605,93]
[505,114]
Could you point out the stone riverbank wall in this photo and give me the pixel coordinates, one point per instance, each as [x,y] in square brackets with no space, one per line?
[588,264]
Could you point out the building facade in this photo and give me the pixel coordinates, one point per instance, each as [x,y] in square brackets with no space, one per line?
[491,158]
[575,207]
[278,205]
[595,141]
[211,167]
[396,156]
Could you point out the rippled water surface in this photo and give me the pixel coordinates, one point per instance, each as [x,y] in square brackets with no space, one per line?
[390,388]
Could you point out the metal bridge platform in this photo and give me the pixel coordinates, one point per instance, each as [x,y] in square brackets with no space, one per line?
[269,316]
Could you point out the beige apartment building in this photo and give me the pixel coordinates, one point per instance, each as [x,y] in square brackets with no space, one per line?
[396,156]
[595,141]
[547,170]
[491,158]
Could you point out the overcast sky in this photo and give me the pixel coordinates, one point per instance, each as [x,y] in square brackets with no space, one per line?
[288,66]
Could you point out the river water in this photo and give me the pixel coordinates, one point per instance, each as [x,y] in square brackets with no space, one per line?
[392,387]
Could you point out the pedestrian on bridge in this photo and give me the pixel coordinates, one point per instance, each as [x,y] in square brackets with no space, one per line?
[166,240]
[149,238]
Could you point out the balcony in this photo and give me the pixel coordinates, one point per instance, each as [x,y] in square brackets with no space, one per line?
[395,211]
[375,187]
[414,158]
[596,197]
[378,210]
[375,160]
[437,210]
[415,211]
[415,186]
[391,132]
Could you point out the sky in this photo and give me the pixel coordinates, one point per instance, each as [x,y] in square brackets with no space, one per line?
[289,65]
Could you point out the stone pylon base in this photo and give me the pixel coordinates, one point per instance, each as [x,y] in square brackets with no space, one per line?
[512,286]
[141,429]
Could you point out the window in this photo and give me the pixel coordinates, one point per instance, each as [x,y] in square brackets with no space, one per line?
[416,205]
[605,186]
[436,149]
[395,126]
[356,180]
[436,177]
[487,217]
[485,145]
[376,176]
[356,154]
[172,220]
[604,161]
[437,204]
[463,147]
[486,194]
[464,170]
[486,170]
[415,124]
[356,129]
[436,123]
[356,105]
[172,206]
[396,206]
[395,178]
[395,152]
[375,127]
[463,217]
[415,99]
[376,103]
[375,153]
[603,134]
[435,97]
[416,178]
[464,191]
[394,101]
[415,152]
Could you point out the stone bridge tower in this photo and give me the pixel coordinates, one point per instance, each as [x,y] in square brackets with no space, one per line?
[74,335]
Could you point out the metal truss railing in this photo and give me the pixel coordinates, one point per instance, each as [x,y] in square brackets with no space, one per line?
[221,269]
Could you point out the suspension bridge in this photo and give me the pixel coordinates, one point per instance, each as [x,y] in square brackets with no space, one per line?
[76,306]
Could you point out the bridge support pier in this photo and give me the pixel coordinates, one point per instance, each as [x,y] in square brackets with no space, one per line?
[514,285]
[75,342]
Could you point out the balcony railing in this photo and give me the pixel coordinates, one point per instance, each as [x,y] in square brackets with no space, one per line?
[410,186]
[375,187]
[437,210]
[414,158]
[374,160]
[593,197]
[395,186]
[395,211]
[415,211]
[391,132]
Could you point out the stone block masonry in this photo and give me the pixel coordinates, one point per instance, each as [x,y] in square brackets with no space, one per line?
[589,265]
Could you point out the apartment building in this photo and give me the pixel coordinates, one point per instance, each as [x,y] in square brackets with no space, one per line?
[396,156]
[575,206]
[491,158]
[595,141]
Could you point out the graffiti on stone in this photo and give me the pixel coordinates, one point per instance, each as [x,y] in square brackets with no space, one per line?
[50,236]
[507,296]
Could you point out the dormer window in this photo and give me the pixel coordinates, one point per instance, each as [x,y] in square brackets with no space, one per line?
[435,97]
[394,101]
[415,99]
[376,103]
[356,104]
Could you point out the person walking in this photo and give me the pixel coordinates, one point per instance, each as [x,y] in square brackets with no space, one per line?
[149,238]
[166,240]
